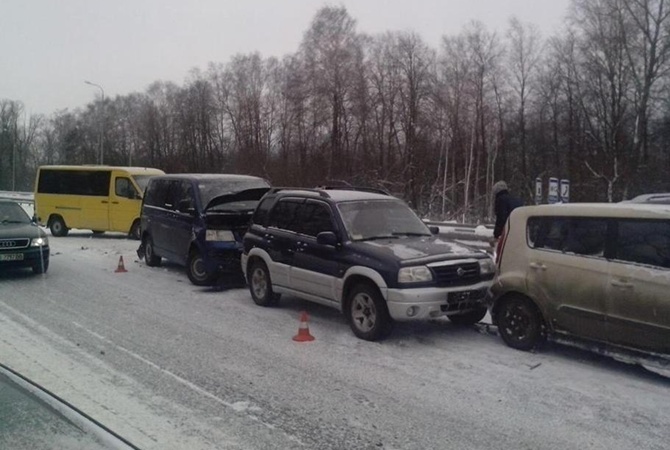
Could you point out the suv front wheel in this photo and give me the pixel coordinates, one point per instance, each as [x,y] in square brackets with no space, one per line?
[367,313]
[260,285]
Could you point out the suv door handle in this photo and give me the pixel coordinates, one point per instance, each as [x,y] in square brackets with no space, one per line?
[621,284]
[536,266]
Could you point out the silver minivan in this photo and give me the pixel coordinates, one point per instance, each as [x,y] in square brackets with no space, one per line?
[599,273]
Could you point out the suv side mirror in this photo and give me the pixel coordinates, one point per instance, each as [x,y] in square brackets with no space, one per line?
[326,238]
[434,230]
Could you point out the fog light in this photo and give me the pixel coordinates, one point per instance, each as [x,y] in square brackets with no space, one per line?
[412,311]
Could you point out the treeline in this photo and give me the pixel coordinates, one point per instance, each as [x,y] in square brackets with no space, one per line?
[435,126]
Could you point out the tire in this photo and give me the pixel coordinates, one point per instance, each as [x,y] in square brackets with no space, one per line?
[468,318]
[195,269]
[151,258]
[40,268]
[367,313]
[520,323]
[260,285]
[58,227]
[135,231]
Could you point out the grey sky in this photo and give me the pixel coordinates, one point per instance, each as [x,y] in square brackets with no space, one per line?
[49,47]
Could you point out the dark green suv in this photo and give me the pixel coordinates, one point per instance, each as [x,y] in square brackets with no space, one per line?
[364,253]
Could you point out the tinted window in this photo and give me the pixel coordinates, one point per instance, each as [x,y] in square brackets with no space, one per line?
[261,213]
[284,215]
[314,218]
[182,192]
[579,235]
[644,242]
[74,182]
[156,193]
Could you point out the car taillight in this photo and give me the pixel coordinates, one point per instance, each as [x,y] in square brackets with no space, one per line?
[501,246]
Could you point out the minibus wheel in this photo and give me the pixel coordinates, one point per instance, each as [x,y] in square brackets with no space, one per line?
[57,226]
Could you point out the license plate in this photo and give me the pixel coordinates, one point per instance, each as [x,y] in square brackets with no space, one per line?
[464,296]
[12,257]
[459,296]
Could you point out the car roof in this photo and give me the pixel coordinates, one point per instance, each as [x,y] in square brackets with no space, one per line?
[630,210]
[131,169]
[662,197]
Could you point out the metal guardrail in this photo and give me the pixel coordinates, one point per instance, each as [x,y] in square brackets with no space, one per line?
[21,197]
[478,236]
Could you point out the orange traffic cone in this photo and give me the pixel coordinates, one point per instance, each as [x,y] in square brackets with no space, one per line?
[303,331]
[120,267]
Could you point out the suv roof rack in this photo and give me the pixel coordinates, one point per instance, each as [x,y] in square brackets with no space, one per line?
[318,191]
[322,190]
[356,188]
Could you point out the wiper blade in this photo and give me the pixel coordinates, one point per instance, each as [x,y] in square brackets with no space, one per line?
[374,238]
[13,221]
[409,233]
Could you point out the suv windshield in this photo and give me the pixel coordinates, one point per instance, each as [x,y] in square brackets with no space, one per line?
[12,213]
[374,219]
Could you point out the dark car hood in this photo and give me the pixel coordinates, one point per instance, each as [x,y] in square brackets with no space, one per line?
[416,250]
[20,230]
[248,194]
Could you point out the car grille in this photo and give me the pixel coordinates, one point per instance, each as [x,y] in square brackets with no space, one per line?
[11,244]
[457,274]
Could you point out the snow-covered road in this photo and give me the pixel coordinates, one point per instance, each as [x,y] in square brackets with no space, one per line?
[172,366]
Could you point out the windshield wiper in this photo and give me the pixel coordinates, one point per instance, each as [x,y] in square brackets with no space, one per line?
[374,238]
[12,221]
[409,233]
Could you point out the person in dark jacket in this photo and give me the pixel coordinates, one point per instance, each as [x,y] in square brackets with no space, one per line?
[504,203]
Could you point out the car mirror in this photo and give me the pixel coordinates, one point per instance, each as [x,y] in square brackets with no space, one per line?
[326,238]
[434,230]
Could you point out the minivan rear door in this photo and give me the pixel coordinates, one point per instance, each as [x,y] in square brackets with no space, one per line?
[639,304]
[567,272]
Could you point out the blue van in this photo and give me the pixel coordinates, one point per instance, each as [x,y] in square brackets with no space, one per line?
[198,220]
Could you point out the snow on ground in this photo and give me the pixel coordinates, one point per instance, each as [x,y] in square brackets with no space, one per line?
[170,365]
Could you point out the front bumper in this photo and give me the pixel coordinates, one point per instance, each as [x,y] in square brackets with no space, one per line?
[223,257]
[431,302]
[30,256]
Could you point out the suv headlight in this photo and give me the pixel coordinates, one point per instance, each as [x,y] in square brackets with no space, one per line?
[39,242]
[487,266]
[415,274]
[219,235]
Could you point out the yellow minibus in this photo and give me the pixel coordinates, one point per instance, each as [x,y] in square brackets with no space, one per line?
[97,198]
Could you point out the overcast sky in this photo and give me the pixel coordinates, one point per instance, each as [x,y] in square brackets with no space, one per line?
[49,47]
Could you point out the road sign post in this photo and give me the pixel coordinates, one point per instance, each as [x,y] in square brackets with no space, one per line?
[565,190]
[552,193]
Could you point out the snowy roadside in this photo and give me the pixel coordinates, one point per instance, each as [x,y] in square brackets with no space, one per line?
[144,351]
